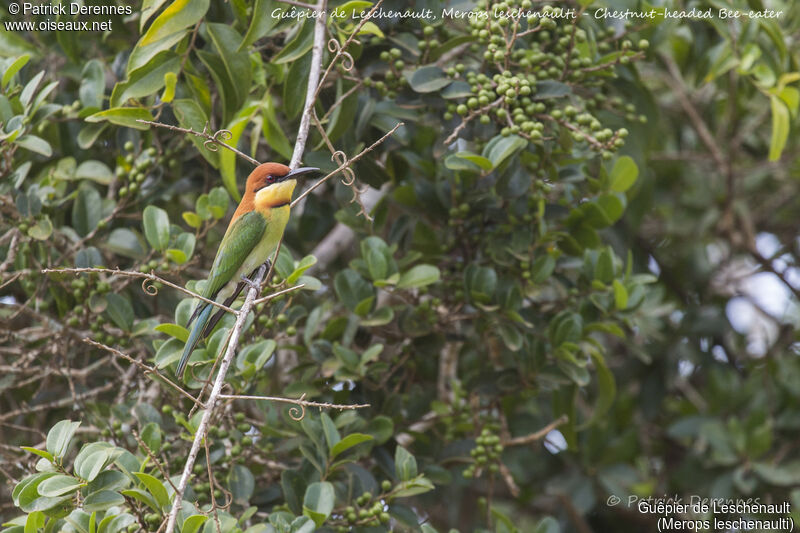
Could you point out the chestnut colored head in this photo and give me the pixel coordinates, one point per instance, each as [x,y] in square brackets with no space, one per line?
[264,175]
[269,185]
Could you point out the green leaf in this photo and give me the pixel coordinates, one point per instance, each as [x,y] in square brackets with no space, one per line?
[261,23]
[149,8]
[428,79]
[141,496]
[123,116]
[40,453]
[60,485]
[405,465]
[96,171]
[348,442]
[419,276]
[192,523]
[624,174]
[218,201]
[511,336]
[606,388]
[35,144]
[256,355]
[179,15]
[34,522]
[318,502]
[185,248]
[59,438]
[351,288]
[93,84]
[500,148]
[89,134]
[412,487]
[548,524]
[780,127]
[479,160]
[547,89]
[293,99]
[102,500]
[156,227]
[13,68]
[30,88]
[620,295]
[87,210]
[92,459]
[170,81]
[151,436]
[42,229]
[783,475]
[191,115]
[241,483]
[192,219]
[236,64]
[297,47]
[456,90]
[147,79]
[155,488]
[125,242]
[120,311]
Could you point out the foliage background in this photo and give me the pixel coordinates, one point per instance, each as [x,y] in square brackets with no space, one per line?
[619,266]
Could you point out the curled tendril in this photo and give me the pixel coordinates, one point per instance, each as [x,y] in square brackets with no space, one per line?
[218,137]
[334,46]
[296,413]
[340,158]
[149,287]
[347,60]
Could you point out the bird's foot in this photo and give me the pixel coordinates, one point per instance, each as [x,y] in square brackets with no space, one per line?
[250,283]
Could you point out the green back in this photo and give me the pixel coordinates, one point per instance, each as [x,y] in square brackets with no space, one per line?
[240,239]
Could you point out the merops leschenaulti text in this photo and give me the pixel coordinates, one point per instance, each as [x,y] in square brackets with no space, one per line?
[250,240]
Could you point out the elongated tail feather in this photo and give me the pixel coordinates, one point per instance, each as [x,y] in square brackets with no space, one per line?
[194,337]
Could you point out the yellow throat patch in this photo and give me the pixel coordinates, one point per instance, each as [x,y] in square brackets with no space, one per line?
[275,195]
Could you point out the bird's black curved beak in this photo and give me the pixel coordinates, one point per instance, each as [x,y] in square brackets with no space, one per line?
[298,172]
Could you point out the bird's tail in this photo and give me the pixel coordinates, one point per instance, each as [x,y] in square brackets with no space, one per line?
[194,338]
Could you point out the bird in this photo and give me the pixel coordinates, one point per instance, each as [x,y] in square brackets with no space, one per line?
[252,237]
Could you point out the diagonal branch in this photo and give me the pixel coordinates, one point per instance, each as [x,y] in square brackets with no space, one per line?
[212,141]
[149,289]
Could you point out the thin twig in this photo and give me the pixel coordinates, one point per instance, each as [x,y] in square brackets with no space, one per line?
[276,294]
[63,402]
[146,368]
[537,435]
[211,140]
[346,164]
[149,289]
[300,401]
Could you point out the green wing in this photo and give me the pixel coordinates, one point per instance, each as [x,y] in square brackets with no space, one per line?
[239,241]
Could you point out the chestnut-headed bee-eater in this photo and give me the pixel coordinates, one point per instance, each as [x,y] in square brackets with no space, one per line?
[249,242]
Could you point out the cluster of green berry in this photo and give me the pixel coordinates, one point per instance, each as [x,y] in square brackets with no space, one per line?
[485,454]
[133,169]
[393,79]
[429,42]
[367,511]
[556,53]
